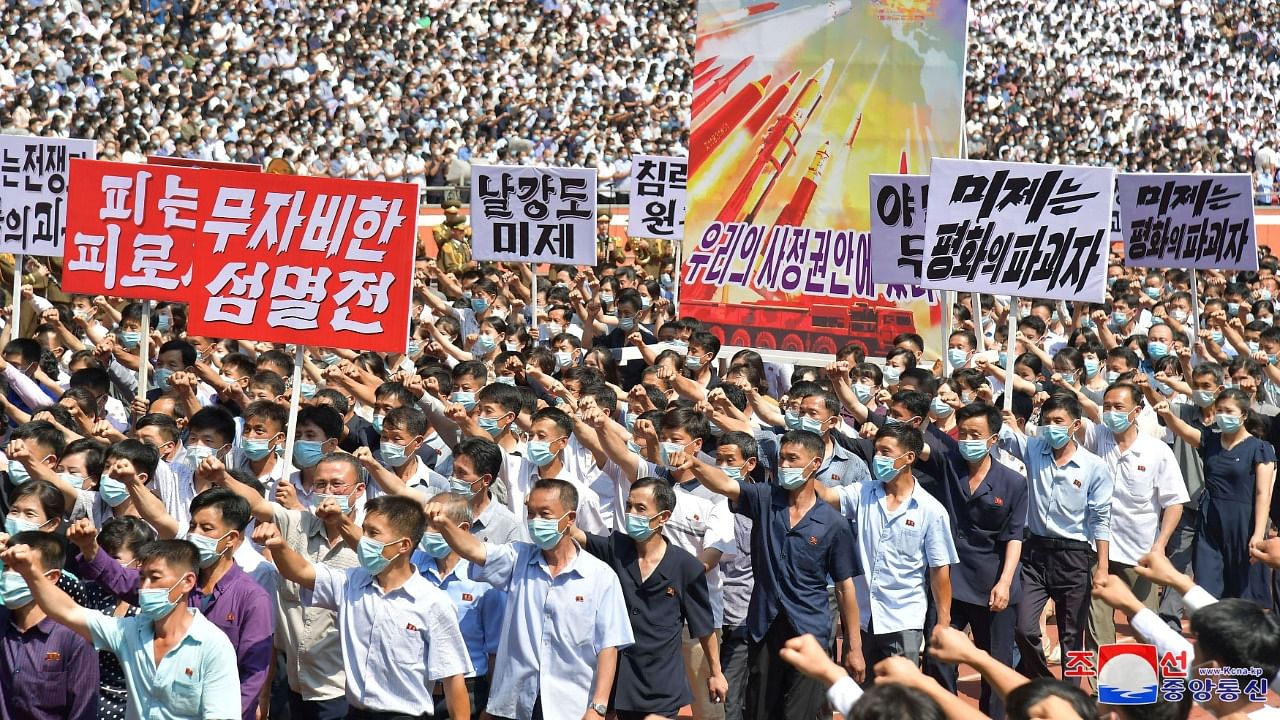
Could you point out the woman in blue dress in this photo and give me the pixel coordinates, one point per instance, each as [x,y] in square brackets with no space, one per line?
[1239,469]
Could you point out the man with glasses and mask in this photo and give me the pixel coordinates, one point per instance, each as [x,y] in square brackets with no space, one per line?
[196,675]
[227,595]
[307,635]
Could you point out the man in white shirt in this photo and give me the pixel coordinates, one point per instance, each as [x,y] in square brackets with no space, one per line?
[1146,502]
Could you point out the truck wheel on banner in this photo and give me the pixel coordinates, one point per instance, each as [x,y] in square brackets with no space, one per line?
[824,345]
[793,343]
[719,333]
[740,338]
[766,341]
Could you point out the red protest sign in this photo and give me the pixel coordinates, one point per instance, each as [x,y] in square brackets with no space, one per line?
[130,230]
[206,164]
[290,259]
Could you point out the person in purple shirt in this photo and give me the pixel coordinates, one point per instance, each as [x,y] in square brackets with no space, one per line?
[227,596]
[47,671]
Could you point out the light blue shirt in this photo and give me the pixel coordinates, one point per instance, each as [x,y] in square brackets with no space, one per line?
[1071,501]
[895,548]
[480,609]
[553,630]
[395,646]
[197,678]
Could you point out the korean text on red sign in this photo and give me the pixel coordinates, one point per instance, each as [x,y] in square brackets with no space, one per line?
[273,258]
[659,197]
[1018,229]
[898,205]
[1186,220]
[527,214]
[33,192]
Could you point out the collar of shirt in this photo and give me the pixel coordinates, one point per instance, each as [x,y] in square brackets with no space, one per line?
[427,566]
[42,628]
[781,500]
[230,579]
[539,558]
[881,497]
[482,520]
[411,587]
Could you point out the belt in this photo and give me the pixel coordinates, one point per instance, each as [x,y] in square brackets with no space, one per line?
[355,713]
[1057,543]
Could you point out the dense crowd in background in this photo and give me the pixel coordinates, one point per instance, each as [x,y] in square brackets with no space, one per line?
[417,91]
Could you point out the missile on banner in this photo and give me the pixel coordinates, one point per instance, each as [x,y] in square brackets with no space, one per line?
[857,125]
[709,133]
[720,85]
[902,163]
[765,112]
[737,16]
[793,213]
[776,150]
[703,65]
[700,81]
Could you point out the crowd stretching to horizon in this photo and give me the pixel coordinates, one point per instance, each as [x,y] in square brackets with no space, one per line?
[515,517]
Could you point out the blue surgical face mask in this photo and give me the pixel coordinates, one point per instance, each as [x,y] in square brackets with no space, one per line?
[1119,318]
[1157,350]
[644,302]
[1112,377]
[392,454]
[863,392]
[638,527]
[891,374]
[507,380]
[546,533]
[1116,422]
[307,390]
[14,525]
[112,491]
[1264,294]
[344,502]
[307,453]
[884,467]
[434,545]
[791,478]
[813,425]
[731,472]
[370,554]
[255,448]
[1204,398]
[941,408]
[1003,359]
[377,422]
[483,345]
[1233,309]
[1091,367]
[1217,337]
[693,362]
[14,591]
[154,603]
[196,454]
[18,474]
[164,323]
[1153,293]
[208,548]
[489,425]
[1056,435]
[1253,347]
[540,453]
[974,450]
[667,449]
[458,486]
[791,419]
[129,339]
[162,377]
[466,399]
[414,348]
[330,359]
[606,298]
[626,324]
[72,479]
[1228,423]
[479,304]
[564,359]
[956,358]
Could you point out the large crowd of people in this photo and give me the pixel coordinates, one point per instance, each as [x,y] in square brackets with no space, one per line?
[416,91]
[593,512]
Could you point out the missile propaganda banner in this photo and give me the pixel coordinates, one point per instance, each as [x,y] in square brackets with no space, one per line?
[658,197]
[290,259]
[1188,220]
[33,191]
[777,243]
[1031,230]
[898,204]
[533,214]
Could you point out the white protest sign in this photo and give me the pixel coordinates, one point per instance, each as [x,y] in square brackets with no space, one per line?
[528,214]
[898,205]
[1018,229]
[1188,220]
[658,197]
[33,191]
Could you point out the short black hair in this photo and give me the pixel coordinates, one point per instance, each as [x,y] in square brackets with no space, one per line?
[52,502]
[745,442]
[271,381]
[44,434]
[891,701]
[188,351]
[93,454]
[564,489]
[808,440]
[167,426]
[1238,633]
[396,390]
[215,418]
[664,496]
[50,546]
[403,514]
[908,437]
[505,396]
[1062,401]
[277,357]
[687,419]
[323,417]
[95,379]
[27,348]
[411,419]
[980,409]
[179,555]
[233,508]
[1028,695]
[125,533]
[561,418]
[335,399]
[916,402]
[142,456]
[471,368]
[485,455]
[268,410]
